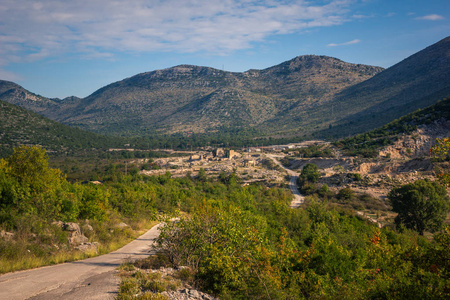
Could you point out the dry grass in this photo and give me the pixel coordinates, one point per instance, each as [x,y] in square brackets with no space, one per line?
[22,253]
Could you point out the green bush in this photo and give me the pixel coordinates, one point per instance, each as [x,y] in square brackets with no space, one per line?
[310,173]
[345,194]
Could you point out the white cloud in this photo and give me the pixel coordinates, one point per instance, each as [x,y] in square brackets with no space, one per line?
[93,28]
[431,17]
[359,16]
[9,76]
[352,42]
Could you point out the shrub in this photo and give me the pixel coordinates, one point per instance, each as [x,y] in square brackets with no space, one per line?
[346,194]
[310,173]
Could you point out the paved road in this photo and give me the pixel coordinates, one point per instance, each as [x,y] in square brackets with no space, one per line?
[93,278]
[298,198]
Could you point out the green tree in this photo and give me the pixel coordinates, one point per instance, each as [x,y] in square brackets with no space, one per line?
[310,173]
[30,187]
[202,175]
[346,194]
[422,205]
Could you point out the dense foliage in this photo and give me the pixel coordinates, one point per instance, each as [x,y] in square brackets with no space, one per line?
[421,205]
[310,173]
[240,242]
[274,252]
[19,126]
[313,151]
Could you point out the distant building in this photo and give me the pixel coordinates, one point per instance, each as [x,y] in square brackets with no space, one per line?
[232,154]
[219,152]
[195,157]
[249,163]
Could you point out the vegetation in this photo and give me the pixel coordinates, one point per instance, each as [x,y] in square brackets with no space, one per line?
[369,143]
[21,127]
[441,152]
[278,253]
[313,151]
[422,205]
[310,173]
[236,242]
[441,149]
[33,196]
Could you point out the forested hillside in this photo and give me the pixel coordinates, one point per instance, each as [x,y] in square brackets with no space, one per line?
[22,127]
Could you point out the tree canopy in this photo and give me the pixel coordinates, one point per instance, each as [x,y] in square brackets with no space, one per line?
[310,173]
[421,205]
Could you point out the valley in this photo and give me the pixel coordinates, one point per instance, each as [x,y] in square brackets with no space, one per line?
[404,162]
[308,179]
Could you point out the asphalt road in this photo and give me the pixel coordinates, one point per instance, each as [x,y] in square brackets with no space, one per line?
[92,278]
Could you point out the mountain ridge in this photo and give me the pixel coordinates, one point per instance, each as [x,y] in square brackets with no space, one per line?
[299,97]
[200,99]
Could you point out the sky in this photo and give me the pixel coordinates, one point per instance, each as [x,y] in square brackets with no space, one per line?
[61,48]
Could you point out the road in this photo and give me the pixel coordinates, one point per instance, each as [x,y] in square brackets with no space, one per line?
[93,278]
[298,198]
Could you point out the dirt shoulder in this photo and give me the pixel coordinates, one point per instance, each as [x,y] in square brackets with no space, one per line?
[93,278]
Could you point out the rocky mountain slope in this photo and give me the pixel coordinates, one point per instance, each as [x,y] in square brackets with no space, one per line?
[307,95]
[201,99]
[416,82]
[15,94]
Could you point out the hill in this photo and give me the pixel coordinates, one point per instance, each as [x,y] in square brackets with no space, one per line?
[200,99]
[307,96]
[19,126]
[15,94]
[369,143]
[416,82]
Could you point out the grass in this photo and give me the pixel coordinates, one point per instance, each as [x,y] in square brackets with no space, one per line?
[150,277]
[138,283]
[31,261]
[27,252]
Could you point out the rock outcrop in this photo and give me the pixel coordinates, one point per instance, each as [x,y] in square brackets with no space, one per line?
[76,238]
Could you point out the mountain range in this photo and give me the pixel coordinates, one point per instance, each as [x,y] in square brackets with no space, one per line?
[308,95]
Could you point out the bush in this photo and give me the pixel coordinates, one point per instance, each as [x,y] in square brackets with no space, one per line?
[310,173]
[345,194]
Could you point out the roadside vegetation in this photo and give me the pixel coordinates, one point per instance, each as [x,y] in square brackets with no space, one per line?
[262,249]
[231,241]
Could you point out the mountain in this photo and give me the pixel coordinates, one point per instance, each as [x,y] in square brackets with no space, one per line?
[19,126]
[308,95]
[200,99]
[15,94]
[416,82]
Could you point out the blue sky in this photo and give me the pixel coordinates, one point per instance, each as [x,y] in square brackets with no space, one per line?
[59,48]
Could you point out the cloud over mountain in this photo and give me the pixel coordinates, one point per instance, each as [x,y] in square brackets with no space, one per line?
[53,26]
